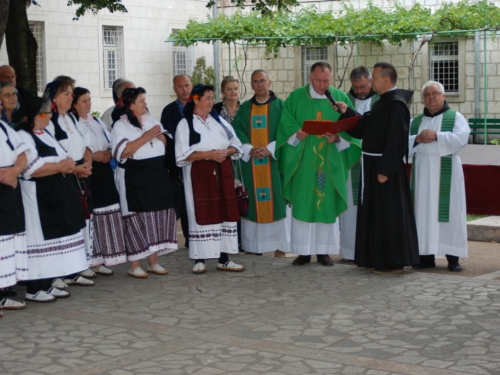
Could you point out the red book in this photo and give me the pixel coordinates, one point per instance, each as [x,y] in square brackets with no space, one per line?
[314,127]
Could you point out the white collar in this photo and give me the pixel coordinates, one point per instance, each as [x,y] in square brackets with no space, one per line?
[314,94]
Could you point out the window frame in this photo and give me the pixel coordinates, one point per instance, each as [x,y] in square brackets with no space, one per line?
[189,53]
[104,91]
[452,97]
[41,61]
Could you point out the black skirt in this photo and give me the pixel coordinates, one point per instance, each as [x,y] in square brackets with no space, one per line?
[147,185]
[59,206]
[11,210]
[104,191]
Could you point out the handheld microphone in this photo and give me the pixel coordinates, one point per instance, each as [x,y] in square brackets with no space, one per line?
[330,98]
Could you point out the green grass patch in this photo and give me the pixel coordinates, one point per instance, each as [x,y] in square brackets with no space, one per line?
[475,217]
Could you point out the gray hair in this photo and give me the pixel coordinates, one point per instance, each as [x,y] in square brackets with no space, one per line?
[259,71]
[360,72]
[6,84]
[430,84]
[118,86]
[179,76]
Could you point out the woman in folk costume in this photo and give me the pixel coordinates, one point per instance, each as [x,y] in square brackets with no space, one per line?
[54,215]
[109,240]
[77,143]
[13,264]
[143,183]
[204,144]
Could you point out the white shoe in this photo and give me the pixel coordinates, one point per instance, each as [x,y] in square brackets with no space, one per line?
[59,284]
[138,273]
[88,273]
[159,270]
[40,296]
[101,270]
[10,304]
[58,293]
[79,280]
[199,267]
[230,266]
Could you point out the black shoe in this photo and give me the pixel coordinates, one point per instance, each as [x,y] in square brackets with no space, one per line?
[325,260]
[424,265]
[454,267]
[388,270]
[301,260]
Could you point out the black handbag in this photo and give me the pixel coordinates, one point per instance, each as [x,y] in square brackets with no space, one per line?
[241,190]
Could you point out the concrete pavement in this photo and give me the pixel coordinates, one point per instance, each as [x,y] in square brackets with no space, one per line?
[270,319]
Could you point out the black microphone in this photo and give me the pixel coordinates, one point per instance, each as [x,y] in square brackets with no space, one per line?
[330,98]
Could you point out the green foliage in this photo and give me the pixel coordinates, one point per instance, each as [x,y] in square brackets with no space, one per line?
[96,114]
[368,25]
[202,73]
[95,6]
[265,7]
[495,142]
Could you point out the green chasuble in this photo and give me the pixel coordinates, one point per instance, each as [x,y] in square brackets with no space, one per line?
[257,124]
[314,171]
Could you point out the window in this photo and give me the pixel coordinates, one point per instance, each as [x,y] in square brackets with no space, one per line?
[310,55]
[38,30]
[112,54]
[444,65]
[182,58]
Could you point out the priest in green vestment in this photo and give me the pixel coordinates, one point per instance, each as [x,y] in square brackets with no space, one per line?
[314,168]
[256,125]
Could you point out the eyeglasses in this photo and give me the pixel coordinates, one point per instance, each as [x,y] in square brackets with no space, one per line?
[429,94]
[12,95]
[43,114]
[360,88]
[261,82]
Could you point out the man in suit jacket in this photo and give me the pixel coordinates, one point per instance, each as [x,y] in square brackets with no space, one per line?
[170,117]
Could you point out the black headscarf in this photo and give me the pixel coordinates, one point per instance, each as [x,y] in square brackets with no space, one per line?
[128,97]
[29,112]
[197,92]
[51,91]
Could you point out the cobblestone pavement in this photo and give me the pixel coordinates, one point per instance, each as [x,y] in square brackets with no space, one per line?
[270,319]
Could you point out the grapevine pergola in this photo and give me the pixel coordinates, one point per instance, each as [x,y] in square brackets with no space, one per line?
[347,27]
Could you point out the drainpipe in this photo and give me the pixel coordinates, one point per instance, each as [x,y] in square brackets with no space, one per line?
[477,74]
[216,59]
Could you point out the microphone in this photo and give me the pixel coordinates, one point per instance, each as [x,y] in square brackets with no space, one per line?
[330,98]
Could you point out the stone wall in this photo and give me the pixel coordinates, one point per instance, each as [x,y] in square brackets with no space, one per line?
[285,70]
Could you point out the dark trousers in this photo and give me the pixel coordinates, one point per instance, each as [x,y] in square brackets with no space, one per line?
[34,286]
[223,259]
[431,258]
[185,227]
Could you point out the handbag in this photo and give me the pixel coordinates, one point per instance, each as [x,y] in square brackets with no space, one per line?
[241,190]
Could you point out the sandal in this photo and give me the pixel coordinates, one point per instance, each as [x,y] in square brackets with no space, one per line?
[156,268]
[137,272]
[9,304]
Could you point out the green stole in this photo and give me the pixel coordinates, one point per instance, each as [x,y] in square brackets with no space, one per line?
[447,123]
[262,179]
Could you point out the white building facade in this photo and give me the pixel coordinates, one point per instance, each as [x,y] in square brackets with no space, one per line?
[97,49]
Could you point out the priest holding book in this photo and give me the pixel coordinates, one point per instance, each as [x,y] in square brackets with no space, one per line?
[314,168]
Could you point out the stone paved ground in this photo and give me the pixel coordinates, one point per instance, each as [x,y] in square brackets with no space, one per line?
[271,319]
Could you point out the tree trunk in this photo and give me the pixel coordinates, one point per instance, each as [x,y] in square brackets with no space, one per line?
[21,46]
[4,15]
